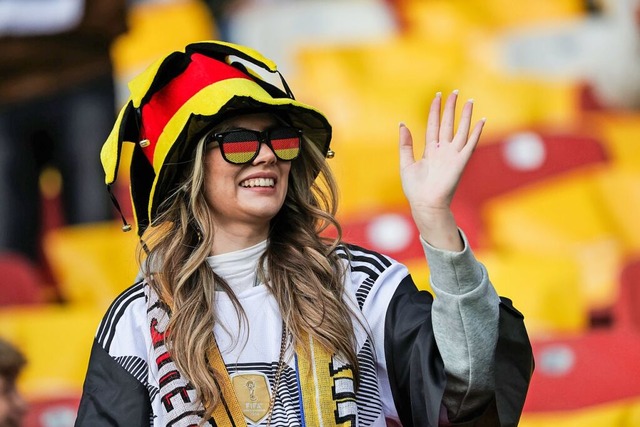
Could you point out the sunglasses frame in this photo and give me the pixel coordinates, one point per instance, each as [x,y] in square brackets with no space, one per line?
[263,137]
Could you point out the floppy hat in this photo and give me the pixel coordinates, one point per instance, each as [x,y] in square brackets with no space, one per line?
[180,97]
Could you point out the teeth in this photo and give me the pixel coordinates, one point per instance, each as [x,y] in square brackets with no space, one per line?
[258,182]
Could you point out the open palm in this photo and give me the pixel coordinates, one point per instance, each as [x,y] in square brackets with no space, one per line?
[430,181]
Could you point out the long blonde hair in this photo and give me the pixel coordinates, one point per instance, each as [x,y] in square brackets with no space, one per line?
[308,287]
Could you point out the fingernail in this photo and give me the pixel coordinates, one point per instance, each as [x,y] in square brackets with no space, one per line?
[401,124]
[470,100]
[438,94]
[455,92]
[484,119]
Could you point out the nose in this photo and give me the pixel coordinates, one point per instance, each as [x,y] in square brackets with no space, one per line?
[265,155]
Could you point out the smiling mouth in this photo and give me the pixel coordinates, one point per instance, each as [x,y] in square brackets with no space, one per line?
[258,182]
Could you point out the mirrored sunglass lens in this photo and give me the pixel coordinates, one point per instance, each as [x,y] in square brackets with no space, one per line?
[240,147]
[286,143]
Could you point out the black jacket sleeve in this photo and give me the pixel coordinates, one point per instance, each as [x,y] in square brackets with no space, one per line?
[111,395]
[416,370]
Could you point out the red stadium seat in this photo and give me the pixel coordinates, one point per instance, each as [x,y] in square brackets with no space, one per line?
[625,311]
[20,281]
[592,369]
[518,160]
[391,232]
[52,411]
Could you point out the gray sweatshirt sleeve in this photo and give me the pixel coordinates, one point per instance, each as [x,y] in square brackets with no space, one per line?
[465,324]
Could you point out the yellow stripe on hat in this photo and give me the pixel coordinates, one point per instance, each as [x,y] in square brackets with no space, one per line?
[140,85]
[110,152]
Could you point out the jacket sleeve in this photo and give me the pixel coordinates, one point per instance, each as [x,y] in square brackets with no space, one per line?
[465,316]
[111,395]
[416,371]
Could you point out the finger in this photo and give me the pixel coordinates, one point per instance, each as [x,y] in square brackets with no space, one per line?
[448,118]
[433,122]
[474,138]
[406,147]
[462,134]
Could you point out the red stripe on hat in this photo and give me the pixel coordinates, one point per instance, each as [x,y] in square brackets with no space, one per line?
[201,72]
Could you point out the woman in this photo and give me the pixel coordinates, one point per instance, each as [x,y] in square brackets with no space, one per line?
[246,315]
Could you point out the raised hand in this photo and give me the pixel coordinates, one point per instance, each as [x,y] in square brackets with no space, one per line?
[429,182]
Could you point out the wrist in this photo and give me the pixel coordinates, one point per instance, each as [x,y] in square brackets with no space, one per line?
[437,226]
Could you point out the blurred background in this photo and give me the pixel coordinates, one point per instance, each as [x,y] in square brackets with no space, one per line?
[550,201]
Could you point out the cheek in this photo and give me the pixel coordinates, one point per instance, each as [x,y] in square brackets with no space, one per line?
[286,170]
[219,176]
[285,173]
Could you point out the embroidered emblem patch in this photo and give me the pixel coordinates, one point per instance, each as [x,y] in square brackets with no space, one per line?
[252,391]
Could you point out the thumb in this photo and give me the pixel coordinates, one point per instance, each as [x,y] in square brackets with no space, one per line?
[406,147]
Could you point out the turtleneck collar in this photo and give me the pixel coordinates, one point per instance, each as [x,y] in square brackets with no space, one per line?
[238,268]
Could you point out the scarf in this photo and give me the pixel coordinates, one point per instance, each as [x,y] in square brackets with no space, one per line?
[326,384]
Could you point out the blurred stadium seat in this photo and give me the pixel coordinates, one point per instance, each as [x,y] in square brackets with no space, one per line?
[54,411]
[520,160]
[626,313]
[431,17]
[391,232]
[620,130]
[546,288]
[624,413]
[619,197]
[20,281]
[585,380]
[562,217]
[92,263]
[56,341]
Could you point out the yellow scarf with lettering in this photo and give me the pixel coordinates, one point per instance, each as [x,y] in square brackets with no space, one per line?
[327,392]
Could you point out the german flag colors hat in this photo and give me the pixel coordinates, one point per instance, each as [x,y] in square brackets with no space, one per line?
[181,96]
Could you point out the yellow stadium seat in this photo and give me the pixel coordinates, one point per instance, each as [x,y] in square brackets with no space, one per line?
[419,270]
[157,28]
[367,89]
[92,263]
[506,13]
[617,414]
[438,16]
[621,131]
[518,102]
[56,341]
[562,217]
[545,288]
[620,196]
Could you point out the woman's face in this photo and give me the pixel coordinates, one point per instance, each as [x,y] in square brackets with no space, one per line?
[249,194]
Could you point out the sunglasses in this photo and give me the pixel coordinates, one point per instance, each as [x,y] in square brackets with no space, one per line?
[240,146]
